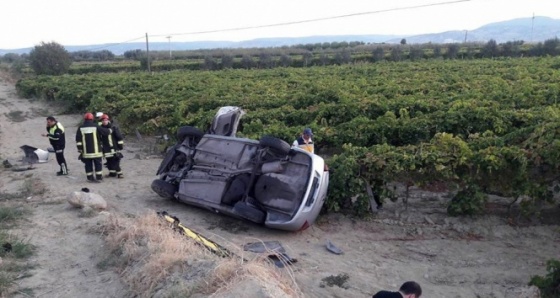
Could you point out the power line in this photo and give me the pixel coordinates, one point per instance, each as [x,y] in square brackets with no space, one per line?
[287,23]
[313,20]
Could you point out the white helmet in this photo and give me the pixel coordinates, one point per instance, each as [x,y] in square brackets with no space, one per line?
[98,114]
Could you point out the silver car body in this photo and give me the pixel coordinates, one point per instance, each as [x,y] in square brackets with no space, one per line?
[262,181]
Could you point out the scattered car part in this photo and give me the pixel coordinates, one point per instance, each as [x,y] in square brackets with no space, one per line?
[277,253]
[34,155]
[209,244]
[264,246]
[332,248]
[281,260]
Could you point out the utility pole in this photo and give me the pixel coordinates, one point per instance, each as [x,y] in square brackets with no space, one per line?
[169,39]
[148,53]
[466,31]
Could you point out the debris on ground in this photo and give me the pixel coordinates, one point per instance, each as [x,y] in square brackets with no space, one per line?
[339,280]
[332,248]
[199,238]
[278,255]
[264,246]
[281,260]
[7,164]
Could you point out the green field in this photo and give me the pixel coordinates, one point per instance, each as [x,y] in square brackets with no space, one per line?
[477,126]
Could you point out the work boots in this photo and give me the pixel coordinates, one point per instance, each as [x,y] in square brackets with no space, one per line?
[91,179]
[63,170]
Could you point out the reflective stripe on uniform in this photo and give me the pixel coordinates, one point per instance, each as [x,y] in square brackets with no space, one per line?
[91,130]
[92,155]
[52,131]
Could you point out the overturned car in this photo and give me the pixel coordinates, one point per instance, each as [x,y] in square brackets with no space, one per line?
[265,181]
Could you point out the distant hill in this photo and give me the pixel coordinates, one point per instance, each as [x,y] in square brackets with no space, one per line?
[526,29]
[537,29]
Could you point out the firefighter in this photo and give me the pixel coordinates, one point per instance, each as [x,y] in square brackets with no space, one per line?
[88,141]
[112,146]
[55,133]
[98,118]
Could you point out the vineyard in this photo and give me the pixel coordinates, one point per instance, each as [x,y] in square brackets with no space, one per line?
[471,126]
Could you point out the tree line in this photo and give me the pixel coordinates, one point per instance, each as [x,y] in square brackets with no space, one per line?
[51,58]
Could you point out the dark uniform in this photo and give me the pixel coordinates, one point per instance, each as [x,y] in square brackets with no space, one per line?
[88,141]
[387,294]
[112,145]
[409,289]
[55,133]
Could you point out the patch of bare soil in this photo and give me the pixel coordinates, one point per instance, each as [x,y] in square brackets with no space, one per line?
[484,256]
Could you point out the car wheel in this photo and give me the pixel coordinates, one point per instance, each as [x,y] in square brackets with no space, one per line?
[277,145]
[249,212]
[188,131]
[164,189]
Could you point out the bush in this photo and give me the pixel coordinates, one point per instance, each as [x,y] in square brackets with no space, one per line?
[50,59]
[549,284]
[468,201]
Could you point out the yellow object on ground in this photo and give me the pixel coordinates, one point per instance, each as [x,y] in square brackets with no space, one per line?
[209,244]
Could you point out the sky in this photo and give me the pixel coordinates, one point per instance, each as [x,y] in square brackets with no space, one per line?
[26,23]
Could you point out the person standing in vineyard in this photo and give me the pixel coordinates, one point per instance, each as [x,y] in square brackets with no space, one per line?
[304,141]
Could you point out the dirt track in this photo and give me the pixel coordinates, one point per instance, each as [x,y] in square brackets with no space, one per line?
[484,256]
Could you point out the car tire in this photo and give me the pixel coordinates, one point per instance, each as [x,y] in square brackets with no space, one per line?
[164,189]
[277,145]
[188,131]
[249,212]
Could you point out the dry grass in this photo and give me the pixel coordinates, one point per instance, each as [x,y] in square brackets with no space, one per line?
[29,187]
[13,251]
[230,274]
[155,260]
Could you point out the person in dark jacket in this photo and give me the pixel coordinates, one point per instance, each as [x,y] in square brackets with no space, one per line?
[55,133]
[409,289]
[88,141]
[112,146]
[304,141]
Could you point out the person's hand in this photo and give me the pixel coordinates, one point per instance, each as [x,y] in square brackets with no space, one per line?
[43,134]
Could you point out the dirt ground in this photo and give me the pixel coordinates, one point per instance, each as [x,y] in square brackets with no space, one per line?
[485,256]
